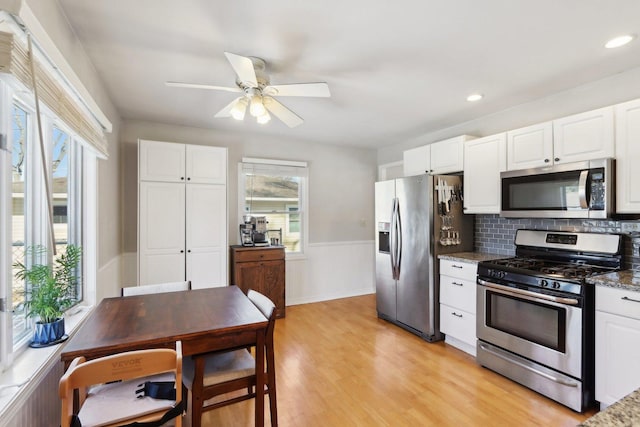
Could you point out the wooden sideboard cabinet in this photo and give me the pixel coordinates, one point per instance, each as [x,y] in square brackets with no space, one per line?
[261,269]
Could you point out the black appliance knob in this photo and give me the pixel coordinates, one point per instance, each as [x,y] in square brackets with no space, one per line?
[544,283]
[556,285]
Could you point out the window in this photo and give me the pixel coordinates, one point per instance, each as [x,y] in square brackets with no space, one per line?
[276,191]
[24,221]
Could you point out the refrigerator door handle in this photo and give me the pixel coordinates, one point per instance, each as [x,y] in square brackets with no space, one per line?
[392,239]
[398,240]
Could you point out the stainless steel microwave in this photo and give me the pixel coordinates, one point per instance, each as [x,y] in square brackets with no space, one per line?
[571,190]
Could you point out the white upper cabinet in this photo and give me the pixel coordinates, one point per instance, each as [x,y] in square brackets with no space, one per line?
[484,159]
[161,161]
[172,162]
[584,136]
[417,161]
[628,157]
[530,147]
[438,158]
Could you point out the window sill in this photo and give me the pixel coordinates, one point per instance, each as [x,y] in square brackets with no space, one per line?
[23,376]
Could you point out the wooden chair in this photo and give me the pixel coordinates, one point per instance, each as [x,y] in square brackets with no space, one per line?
[107,387]
[156,288]
[231,371]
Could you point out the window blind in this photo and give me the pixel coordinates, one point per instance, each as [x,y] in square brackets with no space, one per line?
[14,61]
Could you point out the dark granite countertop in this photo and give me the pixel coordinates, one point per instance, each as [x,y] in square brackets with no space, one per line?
[471,257]
[623,413]
[625,279]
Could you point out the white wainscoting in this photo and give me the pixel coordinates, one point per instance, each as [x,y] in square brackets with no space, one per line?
[330,271]
[327,271]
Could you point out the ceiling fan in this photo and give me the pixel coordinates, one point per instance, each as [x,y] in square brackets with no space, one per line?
[257,92]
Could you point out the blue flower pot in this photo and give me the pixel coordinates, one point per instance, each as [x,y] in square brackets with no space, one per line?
[48,333]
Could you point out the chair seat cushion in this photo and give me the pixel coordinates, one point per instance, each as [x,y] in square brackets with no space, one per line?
[221,367]
[116,402]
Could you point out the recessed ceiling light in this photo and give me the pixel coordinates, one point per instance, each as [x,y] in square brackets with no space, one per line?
[475,97]
[619,41]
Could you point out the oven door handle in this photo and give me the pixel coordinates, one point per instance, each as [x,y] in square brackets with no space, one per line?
[529,295]
[529,368]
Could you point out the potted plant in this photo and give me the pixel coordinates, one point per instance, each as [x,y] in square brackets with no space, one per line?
[50,290]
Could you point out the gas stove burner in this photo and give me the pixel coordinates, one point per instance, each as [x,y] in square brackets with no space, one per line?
[570,271]
[523,263]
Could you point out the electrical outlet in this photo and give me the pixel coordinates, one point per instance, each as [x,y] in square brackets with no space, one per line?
[630,227]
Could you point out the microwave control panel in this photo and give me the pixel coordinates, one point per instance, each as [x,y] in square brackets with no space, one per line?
[597,187]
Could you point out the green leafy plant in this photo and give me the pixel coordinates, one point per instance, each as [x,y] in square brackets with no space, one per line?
[50,289]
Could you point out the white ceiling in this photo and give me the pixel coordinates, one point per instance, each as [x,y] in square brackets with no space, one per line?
[396,69]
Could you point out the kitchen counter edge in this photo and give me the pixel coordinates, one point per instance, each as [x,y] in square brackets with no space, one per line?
[625,279]
[625,412]
[471,257]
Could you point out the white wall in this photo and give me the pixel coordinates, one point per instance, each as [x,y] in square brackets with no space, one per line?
[341,203]
[612,90]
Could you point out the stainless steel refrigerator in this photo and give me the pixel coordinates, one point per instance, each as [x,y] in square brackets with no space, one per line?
[417,219]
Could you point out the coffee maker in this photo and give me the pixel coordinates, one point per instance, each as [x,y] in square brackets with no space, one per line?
[246,231]
[259,231]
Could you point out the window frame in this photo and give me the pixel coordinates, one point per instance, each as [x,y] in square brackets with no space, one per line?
[81,204]
[279,167]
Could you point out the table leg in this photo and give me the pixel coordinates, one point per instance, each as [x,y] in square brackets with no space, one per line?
[260,378]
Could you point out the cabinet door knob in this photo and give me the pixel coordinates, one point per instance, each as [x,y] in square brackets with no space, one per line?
[557,159]
[457,284]
[182,178]
[181,251]
[189,179]
[189,251]
[456,314]
[546,160]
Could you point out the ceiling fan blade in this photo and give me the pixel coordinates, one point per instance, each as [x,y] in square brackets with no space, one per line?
[289,118]
[203,86]
[243,67]
[320,89]
[226,111]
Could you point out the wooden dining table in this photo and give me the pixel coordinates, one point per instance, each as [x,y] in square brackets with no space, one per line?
[204,320]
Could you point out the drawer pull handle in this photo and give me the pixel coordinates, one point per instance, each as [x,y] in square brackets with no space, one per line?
[456,314]
[630,299]
[457,284]
[456,266]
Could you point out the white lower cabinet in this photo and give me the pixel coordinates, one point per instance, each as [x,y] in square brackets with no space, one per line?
[458,304]
[617,344]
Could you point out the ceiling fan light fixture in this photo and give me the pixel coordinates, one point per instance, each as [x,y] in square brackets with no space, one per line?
[257,107]
[264,118]
[238,110]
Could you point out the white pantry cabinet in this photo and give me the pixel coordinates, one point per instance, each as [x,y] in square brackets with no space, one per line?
[628,157]
[617,343]
[182,214]
[484,159]
[458,304]
[438,158]
[584,136]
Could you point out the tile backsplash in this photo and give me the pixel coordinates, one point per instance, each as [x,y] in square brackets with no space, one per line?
[494,234]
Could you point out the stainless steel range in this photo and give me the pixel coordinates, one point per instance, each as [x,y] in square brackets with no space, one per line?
[535,313]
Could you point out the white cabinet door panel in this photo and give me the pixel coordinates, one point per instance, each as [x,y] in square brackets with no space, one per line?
[617,356]
[484,159]
[161,161]
[206,235]
[530,147]
[628,157]
[417,161]
[447,156]
[584,136]
[206,165]
[161,232]
[458,323]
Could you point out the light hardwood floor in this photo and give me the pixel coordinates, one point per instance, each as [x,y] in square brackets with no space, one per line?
[339,365]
